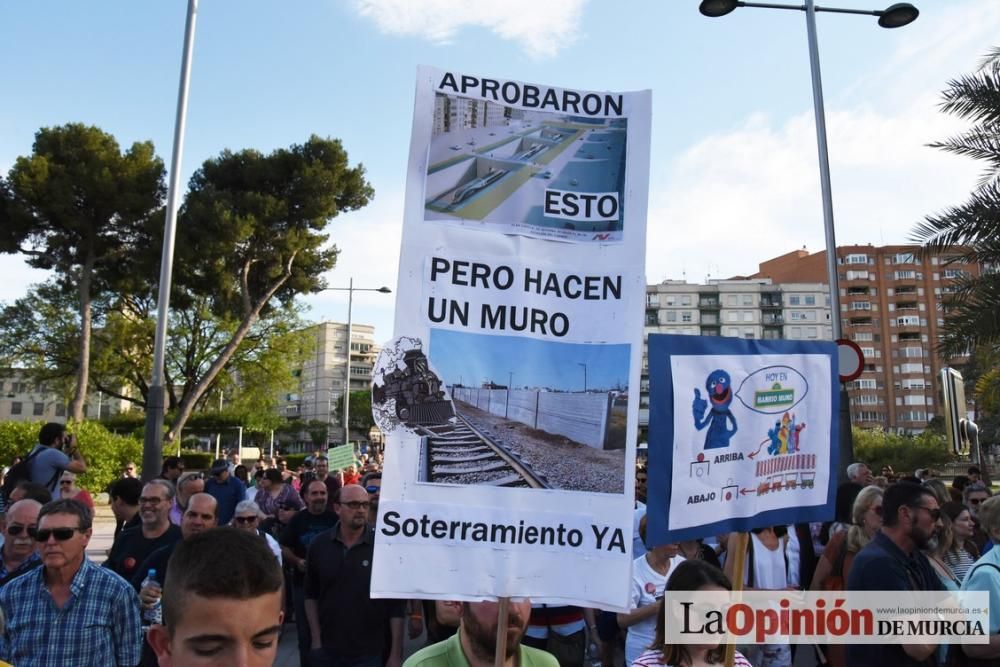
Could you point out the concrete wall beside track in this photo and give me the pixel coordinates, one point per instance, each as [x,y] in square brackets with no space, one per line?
[583,418]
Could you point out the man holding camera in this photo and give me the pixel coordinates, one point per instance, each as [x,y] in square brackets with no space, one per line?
[56,452]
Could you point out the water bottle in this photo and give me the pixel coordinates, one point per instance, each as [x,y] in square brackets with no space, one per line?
[152,615]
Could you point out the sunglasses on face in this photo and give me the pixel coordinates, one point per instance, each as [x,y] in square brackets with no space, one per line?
[15,529]
[934,513]
[976,501]
[66,482]
[150,501]
[245,519]
[61,534]
[357,504]
[373,489]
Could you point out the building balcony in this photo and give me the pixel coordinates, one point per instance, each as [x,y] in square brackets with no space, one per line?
[772,320]
[770,301]
[709,304]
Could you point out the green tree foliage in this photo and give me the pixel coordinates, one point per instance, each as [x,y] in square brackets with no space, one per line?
[319,433]
[905,453]
[106,453]
[78,206]
[360,414]
[971,231]
[251,236]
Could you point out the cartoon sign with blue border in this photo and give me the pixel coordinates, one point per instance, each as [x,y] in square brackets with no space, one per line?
[742,434]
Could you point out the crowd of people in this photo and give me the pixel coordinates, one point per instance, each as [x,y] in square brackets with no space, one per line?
[207,567]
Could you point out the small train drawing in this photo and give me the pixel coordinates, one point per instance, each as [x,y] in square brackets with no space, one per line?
[420,398]
[789,480]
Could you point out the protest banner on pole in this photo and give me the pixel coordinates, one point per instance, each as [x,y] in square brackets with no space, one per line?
[340,457]
[742,434]
[505,394]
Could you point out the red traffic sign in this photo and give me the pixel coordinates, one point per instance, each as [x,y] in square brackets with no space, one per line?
[850,360]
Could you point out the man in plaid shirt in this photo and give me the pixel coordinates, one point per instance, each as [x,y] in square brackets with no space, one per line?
[69,611]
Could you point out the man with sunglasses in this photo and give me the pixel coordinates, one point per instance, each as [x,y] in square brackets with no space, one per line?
[247,518]
[346,625]
[134,545]
[372,483]
[973,496]
[18,553]
[893,561]
[69,611]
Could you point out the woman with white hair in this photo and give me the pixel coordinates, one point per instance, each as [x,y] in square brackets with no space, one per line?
[247,517]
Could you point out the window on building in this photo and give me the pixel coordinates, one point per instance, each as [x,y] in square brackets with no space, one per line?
[864,383]
[747,299]
[671,316]
[731,299]
[38,409]
[60,410]
[747,316]
[16,407]
[794,300]
[686,316]
[686,300]
[732,316]
[811,332]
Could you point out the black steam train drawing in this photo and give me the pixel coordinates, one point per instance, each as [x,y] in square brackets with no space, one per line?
[417,391]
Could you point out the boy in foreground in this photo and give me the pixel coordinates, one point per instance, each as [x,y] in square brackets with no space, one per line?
[222,603]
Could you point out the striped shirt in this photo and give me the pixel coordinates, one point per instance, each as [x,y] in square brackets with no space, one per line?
[653,658]
[99,624]
[960,562]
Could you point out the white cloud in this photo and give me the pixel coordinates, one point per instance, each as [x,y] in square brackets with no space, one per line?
[542,28]
[752,193]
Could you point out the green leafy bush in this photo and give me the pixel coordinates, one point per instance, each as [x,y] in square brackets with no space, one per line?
[105,453]
[194,460]
[905,453]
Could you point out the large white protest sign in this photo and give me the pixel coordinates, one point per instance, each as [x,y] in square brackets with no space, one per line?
[505,393]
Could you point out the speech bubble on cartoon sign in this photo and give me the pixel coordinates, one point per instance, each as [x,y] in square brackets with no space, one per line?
[773,390]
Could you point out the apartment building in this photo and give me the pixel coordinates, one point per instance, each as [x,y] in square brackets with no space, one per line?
[25,399]
[323,378]
[892,305]
[742,308]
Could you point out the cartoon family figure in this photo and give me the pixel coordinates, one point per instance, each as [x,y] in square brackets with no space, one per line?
[720,395]
[784,436]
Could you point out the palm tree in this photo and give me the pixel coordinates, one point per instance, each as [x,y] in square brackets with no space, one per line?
[970,232]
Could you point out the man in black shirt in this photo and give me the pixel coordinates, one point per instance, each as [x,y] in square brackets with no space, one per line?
[134,545]
[892,561]
[346,625]
[124,496]
[300,532]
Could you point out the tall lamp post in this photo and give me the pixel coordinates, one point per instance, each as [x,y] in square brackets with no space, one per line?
[893,16]
[580,363]
[351,289]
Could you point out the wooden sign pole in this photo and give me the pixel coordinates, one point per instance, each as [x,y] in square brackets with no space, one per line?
[501,651]
[739,559]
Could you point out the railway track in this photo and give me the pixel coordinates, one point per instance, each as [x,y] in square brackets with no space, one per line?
[461,454]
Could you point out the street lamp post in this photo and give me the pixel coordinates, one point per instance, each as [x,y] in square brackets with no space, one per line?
[893,16]
[350,289]
[580,363]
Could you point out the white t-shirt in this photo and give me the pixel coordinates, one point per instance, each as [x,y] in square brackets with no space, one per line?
[638,546]
[647,586]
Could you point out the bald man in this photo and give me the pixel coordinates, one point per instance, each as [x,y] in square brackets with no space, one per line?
[18,554]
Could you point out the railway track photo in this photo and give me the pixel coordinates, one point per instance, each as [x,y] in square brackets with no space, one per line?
[460,453]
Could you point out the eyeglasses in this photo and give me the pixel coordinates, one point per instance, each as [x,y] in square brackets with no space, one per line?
[357,504]
[373,489]
[150,501]
[14,530]
[245,519]
[976,501]
[61,534]
[66,482]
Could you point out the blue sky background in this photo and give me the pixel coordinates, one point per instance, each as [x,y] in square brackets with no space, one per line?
[733,177]
[476,359]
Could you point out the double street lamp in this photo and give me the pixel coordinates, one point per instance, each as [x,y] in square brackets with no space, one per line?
[893,16]
[350,289]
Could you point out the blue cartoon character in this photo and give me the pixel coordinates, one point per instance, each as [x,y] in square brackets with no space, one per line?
[720,394]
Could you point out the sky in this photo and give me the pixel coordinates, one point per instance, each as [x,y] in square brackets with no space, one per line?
[477,359]
[733,176]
